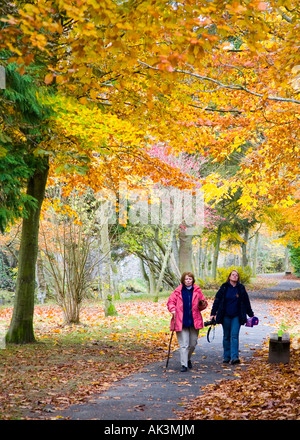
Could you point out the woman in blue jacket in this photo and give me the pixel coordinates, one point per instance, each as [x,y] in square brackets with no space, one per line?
[230,308]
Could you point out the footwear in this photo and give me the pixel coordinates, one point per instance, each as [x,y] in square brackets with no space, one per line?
[190,365]
[226,361]
[183,369]
[235,361]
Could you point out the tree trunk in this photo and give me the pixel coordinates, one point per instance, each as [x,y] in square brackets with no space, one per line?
[109,308]
[174,259]
[216,253]
[71,311]
[21,326]
[185,251]
[145,275]
[287,260]
[164,263]
[255,252]
[244,249]
[199,259]
[175,250]
[152,282]
[205,261]
[115,283]
[40,279]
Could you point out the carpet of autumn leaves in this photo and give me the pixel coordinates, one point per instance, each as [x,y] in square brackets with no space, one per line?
[71,363]
[263,391]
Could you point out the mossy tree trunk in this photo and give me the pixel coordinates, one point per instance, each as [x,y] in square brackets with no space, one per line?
[21,325]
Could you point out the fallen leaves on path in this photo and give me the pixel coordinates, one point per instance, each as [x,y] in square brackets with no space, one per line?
[72,363]
[263,391]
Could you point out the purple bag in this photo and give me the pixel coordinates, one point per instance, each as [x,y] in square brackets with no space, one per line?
[252,321]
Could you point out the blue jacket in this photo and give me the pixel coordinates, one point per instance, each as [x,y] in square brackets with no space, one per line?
[244,306]
[187,297]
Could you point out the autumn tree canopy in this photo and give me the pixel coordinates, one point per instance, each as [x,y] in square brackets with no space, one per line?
[210,78]
[202,76]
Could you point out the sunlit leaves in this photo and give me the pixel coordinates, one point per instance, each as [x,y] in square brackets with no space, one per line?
[202,77]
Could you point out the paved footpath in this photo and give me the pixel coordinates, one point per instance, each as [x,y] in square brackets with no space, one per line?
[154,393]
[283,285]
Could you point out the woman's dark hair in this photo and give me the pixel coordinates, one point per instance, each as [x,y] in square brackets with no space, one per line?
[190,274]
[231,273]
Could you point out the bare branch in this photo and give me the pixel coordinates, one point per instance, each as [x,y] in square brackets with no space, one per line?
[227,86]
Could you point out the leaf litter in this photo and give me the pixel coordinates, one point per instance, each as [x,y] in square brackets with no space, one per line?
[263,391]
[70,364]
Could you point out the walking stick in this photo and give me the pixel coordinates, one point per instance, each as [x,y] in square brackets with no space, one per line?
[170,344]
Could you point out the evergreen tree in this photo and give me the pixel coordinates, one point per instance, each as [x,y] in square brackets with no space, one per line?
[22,185]
[21,115]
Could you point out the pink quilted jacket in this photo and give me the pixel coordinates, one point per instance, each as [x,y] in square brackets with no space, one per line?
[175,303]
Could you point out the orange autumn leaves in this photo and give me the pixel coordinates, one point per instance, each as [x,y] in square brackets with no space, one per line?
[99,150]
[203,77]
[263,391]
[153,319]
[74,362]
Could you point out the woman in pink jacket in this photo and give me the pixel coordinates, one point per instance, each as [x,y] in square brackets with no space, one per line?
[185,304]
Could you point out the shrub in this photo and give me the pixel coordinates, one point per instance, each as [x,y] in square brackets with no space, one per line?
[223,272]
[207,284]
[295,258]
